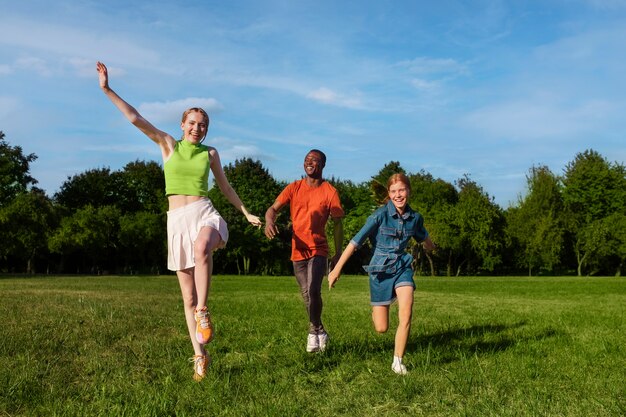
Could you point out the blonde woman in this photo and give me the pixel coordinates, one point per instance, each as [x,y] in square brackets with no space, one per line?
[194,228]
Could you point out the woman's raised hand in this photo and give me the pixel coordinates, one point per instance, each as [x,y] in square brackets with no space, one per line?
[103,75]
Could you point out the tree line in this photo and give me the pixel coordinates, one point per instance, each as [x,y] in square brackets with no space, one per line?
[102,221]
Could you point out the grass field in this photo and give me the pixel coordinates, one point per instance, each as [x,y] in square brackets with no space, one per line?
[117,346]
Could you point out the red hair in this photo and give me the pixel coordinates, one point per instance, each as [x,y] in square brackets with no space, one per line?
[399,178]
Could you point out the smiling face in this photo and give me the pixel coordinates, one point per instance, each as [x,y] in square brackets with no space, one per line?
[314,165]
[399,189]
[195,125]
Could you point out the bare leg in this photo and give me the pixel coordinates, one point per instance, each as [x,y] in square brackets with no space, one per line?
[380,318]
[207,241]
[188,290]
[405,311]
[194,282]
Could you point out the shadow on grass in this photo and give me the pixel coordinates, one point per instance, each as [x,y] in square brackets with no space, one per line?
[450,345]
[456,343]
[453,344]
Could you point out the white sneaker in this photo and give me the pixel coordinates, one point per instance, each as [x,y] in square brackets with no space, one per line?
[322,340]
[399,368]
[312,343]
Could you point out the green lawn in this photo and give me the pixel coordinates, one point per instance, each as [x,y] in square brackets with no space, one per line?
[480,346]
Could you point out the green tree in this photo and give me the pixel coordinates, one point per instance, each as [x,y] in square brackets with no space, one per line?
[601,245]
[248,250]
[357,203]
[617,240]
[594,190]
[94,187]
[536,226]
[88,239]
[24,226]
[445,230]
[143,242]
[429,193]
[14,171]
[378,183]
[433,199]
[480,224]
[141,187]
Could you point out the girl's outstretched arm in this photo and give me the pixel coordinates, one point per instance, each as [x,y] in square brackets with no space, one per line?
[333,276]
[227,189]
[164,140]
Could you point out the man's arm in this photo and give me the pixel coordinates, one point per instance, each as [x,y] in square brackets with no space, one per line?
[338,239]
[271,230]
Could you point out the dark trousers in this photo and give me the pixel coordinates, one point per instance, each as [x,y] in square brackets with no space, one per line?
[309,274]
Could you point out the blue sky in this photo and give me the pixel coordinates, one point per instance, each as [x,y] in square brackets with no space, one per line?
[485,88]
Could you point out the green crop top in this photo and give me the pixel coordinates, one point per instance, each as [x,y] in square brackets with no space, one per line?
[187,170]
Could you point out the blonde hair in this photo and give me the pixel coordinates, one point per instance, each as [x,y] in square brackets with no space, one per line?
[196,110]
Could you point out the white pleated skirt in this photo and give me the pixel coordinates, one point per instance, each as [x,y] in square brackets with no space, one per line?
[183,226]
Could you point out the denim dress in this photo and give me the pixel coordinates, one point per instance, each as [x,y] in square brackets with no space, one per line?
[389,234]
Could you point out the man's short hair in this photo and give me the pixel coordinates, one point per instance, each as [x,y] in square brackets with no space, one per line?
[322,154]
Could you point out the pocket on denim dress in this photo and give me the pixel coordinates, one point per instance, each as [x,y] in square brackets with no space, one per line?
[382,263]
[387,237]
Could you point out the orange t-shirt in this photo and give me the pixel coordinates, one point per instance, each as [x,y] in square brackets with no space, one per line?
[310,208]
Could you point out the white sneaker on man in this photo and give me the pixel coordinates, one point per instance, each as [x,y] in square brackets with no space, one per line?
[312,343]
[322,340]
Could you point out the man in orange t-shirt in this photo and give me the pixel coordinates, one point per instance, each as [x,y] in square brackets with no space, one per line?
[311,201]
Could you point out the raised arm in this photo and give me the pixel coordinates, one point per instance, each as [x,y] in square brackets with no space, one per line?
[165,141]
[227,189]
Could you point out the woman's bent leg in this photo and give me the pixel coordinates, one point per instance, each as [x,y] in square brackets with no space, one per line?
[380,318]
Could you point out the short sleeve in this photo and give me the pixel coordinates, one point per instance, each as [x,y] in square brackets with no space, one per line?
[285,196]
[420,232]
[336,211]
[370,228]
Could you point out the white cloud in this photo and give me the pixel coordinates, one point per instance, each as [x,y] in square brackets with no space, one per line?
[171,111]
[230,150]
[328,96]
[424,85]
[240,151]
[438,66]
[600,49]
[539,119]
[5,69]
[87,67]
[70,41]
[147,149]
[321,95]
[37,65]
[568,89]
